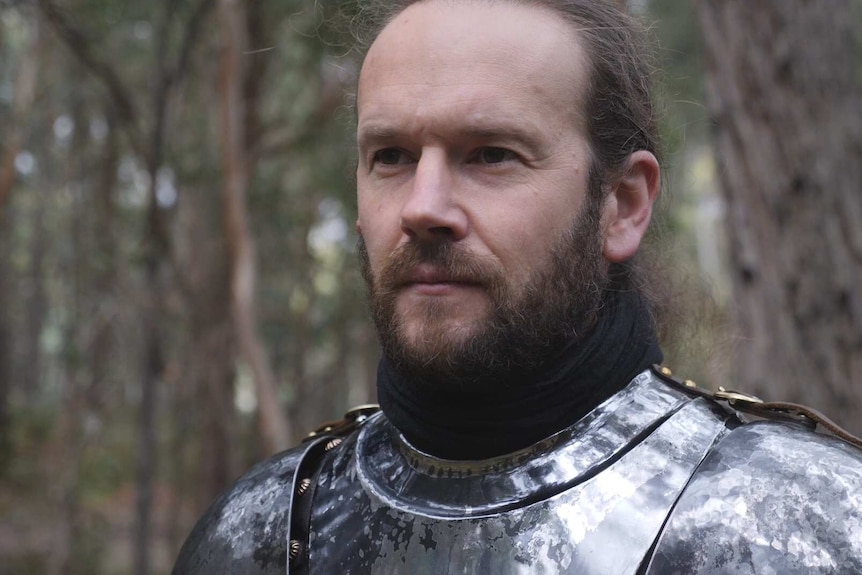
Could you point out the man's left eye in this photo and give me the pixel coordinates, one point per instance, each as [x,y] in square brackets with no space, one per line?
[494,155]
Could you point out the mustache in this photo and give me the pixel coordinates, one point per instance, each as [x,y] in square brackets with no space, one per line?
[455,263]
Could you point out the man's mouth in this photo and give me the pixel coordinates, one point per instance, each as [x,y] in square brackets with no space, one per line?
[429,278]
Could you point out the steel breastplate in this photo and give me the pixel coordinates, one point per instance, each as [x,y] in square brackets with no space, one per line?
[771,498]
[589,500]
[651,482]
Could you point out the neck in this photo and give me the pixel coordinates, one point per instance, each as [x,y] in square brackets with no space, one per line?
[466,424]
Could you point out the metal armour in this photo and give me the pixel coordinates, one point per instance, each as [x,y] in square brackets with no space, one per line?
[650,482]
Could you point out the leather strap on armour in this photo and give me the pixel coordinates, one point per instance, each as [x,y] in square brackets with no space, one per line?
[753,405]
[304,485]
[321,441]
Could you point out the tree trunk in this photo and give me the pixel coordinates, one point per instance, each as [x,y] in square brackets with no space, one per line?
[103,263]
[788,139]
[5,353]
[274,428]
[70,441]
[37,306]
[23,100]
[157,253]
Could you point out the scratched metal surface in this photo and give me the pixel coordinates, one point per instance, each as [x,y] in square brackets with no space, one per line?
[244,532]
[768,498]
[590,501]
[774,498]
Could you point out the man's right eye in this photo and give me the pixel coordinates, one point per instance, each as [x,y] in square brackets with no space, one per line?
[389,157]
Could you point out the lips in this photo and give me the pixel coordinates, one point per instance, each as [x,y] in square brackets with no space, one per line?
[430,277]
[426,274]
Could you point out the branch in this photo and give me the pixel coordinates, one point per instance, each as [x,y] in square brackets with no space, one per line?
[192,29]
[279,142]
[81,47]
[285,141]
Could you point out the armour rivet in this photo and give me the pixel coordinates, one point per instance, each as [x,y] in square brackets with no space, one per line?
[303,486]
[295,548]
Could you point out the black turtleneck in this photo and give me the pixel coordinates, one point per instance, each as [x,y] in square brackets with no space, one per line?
[460,424]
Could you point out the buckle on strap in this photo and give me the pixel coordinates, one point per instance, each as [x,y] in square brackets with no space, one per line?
[736,397]
[348,423]
[753,405]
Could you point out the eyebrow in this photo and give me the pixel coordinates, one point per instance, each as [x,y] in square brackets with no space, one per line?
[376,132]
[504,132]
[382,133]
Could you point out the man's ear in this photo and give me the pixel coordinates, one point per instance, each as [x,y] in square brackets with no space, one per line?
[628,207]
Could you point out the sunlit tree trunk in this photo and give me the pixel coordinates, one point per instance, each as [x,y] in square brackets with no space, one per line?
[241,245]
[785,98]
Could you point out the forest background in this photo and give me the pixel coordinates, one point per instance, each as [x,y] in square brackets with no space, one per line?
[179,294]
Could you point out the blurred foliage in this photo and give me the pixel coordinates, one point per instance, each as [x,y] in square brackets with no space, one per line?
[680,60]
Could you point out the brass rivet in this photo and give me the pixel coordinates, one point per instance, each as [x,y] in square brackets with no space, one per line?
[666,371]
[721,389]
[690,383]
[295,548]
[332,443]
[303,486]
[327,429]
[311,434]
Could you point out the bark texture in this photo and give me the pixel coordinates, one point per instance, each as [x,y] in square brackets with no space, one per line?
[785,99]
[241,244]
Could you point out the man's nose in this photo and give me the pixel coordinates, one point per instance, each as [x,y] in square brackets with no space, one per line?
[431,211]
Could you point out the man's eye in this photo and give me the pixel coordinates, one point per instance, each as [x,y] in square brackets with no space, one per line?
[390,156]
[493,155]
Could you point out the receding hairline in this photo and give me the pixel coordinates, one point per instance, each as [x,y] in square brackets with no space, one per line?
[580,69]
[365,38]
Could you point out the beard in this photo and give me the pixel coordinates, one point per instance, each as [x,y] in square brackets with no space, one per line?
[524,326]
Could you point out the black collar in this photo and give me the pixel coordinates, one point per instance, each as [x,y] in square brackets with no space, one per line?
[460,424]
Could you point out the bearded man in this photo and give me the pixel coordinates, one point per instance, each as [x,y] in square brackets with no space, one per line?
[506,176]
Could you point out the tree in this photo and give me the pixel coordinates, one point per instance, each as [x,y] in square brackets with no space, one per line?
[122,264]
[22,102]
[237,168]
[785,98]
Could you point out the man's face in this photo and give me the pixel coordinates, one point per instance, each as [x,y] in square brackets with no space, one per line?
[472,175]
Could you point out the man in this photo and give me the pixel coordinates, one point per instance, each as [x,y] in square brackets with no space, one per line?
[506,176]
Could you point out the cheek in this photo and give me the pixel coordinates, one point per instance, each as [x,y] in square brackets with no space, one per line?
[509,236]
[378,206]
[527,231]
[380,230]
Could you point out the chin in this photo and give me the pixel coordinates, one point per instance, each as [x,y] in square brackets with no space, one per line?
[438,319]
[446,334]
[436,337]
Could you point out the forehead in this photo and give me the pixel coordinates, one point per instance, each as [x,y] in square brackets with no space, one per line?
[475,59]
